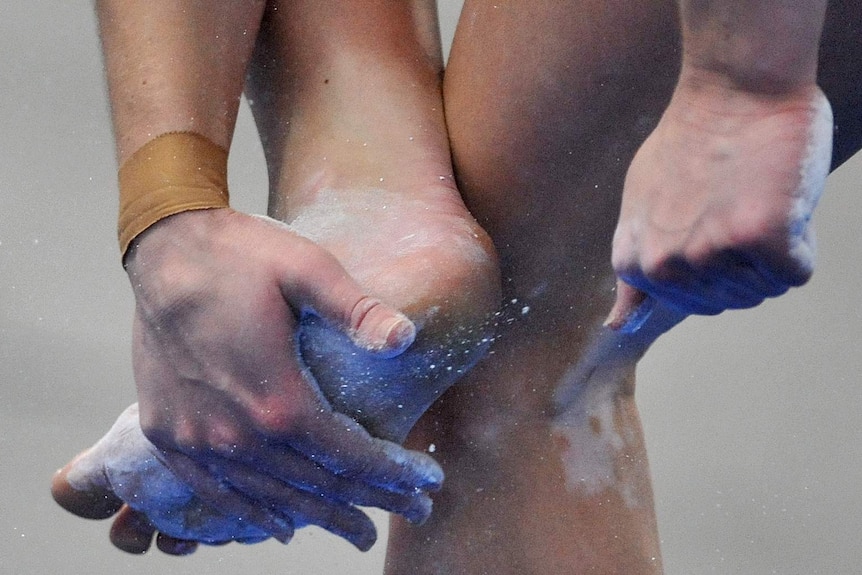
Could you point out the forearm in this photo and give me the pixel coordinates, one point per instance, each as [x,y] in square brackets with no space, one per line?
[767,46]
[176,66]
[347,94]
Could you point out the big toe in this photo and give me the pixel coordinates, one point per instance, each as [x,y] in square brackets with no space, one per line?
[88,496]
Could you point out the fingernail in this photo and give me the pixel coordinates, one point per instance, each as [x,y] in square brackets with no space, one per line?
[400,334]
[614,321]
[629,312]
[283,538]
[637,317]
[420,511]
[435,478]
[365,540]
[419,472]
[283,530]
[428,477]
[393,337]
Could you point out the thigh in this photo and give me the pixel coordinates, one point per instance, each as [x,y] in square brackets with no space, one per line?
[546,103]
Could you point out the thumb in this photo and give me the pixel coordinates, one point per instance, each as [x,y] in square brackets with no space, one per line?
[631,309]
[379,328]
[323,287]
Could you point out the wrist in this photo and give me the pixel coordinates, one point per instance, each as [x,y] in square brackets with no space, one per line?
[759,46]
[754,78]
[706,95]
[174,238]
[175,172]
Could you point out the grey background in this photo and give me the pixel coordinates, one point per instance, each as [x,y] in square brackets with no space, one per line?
[751,417]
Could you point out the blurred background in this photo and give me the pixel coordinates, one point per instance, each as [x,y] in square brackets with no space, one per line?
[751,417]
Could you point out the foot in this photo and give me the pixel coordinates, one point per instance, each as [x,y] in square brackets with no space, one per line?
[423,254]
[428,258]
[123,470]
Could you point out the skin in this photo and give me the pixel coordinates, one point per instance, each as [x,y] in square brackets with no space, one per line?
[351,116]
[533,488]
[124,466]
[542,446]
[712,233]
[543,450]
[208,282]
[394,170]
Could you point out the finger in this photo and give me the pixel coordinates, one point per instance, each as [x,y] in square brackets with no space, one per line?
[131,531]
[253,540]
[725,293]
[738,285]
[681,286]
[748,271]
[334,441]
[690,298]
[88,494]
[282,464]
[305,508]
[221,496]
[790,267]
[324,288]
[775,285]
[730,280]
[684,295]
[630,309]
[342,446]
[173,546]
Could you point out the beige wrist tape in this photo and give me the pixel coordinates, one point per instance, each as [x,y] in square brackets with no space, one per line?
[175,172]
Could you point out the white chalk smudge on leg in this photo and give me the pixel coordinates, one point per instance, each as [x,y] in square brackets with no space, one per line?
[594,444]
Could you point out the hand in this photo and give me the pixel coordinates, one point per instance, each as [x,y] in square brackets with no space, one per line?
[125,467]
[220,385]
[717,202]
[449,285]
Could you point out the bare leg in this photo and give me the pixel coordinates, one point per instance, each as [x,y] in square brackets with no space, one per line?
[569,509]
[358,156]
[566,98]
[373,185]
[546,104]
